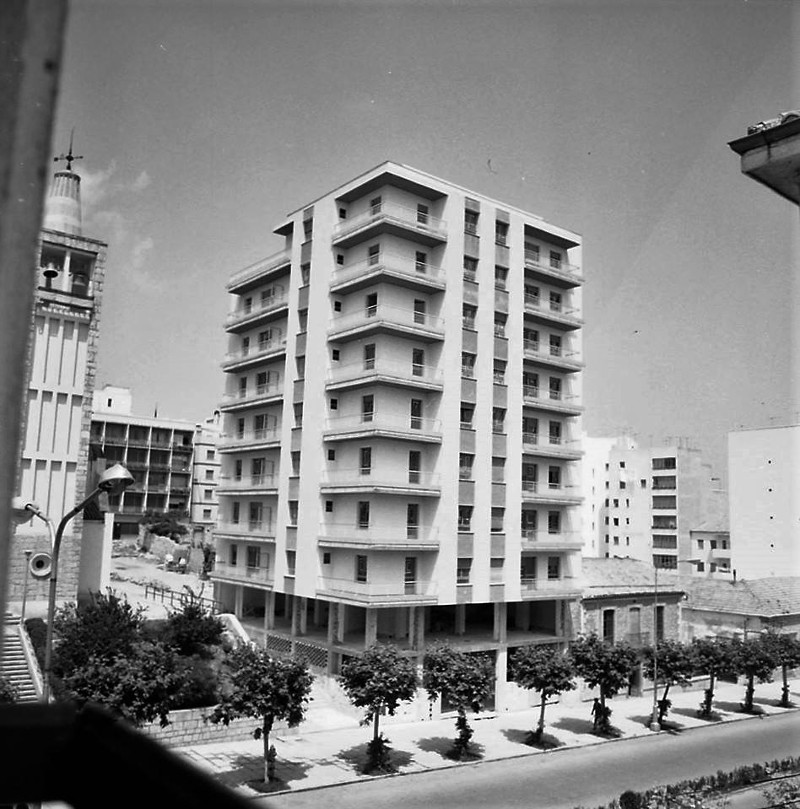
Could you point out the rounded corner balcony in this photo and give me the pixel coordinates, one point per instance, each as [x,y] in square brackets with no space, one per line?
[248,357]
[249,440]
[377,594]
[401,270]
[374,480]
[542,588]
[551,270]
[263,270]
[550,493]
[551,313]
[552,356]
[255,485]
[532,539]
[252,397]
[378,425]
[256,530]
[393,219]
[551,446]
[551,399]
[414,538]
[273,304]
[381,318]
[384,371]
[261,577]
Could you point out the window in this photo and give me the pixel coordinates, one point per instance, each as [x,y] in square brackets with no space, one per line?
[498,419]
[210,454]
[373,255]
[465,461]
[500,277]
[608,626]
[300,363]
[496,569]
[331,454]
[367,407]
[468,314]
[664,501]
[463,568]
[242,387]
[555,345]
[361,568]
[553,567]
[554,477]
[412,520]
[308,229]
[500,324]
[663,463]
[659,622]
[245,346]
[305,274]
[423,213]
[326,558]
[369,356]
[531,252]
[616,502]
[466,415]
[209,474]
[616,540]
[498,518]
[532,295]
[206,513]
[664,562]
[464,518]
[467,364]
[417,362]
[416,414]
[500,372]
[555,259]
[340,259]
[643,483]
[623,484]
[414,466]
[253,556]
[553,522]
[233,555]
[235,508]
[471,222]
[375,205]
[530,339]
[334,403]
[237,469]
[498,470]
[555,301]
[555,388]
[293,509]
[298,414]
[371,304]
[363,514]
[337,306]
[208,494]
[329,506]
[365,464]
[528,523]
[470,268]
[501,232]
[335,354]
[555,432]
[419,311]
[302,319]
[616,521]
[701,566]
[669,541]
[421,262]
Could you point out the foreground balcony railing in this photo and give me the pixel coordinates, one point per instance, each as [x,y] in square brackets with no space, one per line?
[382,315]
[393,263]
[552,354]
[260,268]
[236,483]
[552,445]
[385,370]
[260,529]
[532,489]
[538,538]
[351,534]
[276,300]
[378,477]
[379,591]
[252,395]
[553,267]
[261,351]
[268,435]
[406,426]
[537,585]
[551,310]
[261,575]
[394,214]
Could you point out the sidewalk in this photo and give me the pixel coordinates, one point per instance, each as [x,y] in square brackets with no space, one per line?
[311,758]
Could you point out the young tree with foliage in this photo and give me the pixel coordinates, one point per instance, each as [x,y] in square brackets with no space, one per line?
[546,669]
[265,688]
[464,680]
[8,693]
[163,524]
[674,664]
[755,660]
[139,685]
[712,657]
[786,651]
[607,666]
[379,680]
[194,630]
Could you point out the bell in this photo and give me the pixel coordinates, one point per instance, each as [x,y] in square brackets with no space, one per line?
[50,271]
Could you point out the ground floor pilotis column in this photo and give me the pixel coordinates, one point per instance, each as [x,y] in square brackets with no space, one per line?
[371,627]
[500,678]
[269,610]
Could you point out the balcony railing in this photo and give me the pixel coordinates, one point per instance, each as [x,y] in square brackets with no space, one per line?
[245,482]
[258,529]
[547,585]
[375,476]
[383,315]
[249,438]
[560,355]
[393,263]
[248,396]
[551,266]
[558,311]
[550,491]
[262,267]
[392,213]
[351,534]
[276,300]
[376,421]
[262,575]
[262,350]
[537,537]
[387,369]
[378,591]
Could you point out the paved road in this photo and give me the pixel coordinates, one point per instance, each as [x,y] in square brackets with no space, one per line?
[588,777]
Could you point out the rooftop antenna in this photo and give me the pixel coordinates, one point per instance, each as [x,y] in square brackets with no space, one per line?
[69,157]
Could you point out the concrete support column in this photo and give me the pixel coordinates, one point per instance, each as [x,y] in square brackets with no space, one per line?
[461,619]
[522,615]
[500,632]
[500,675]
[269,610]
[302,609]
[371,627]
[341,621]
[419,637]
[318,611]
[298,608]
[333,623]
[238,601]
[559,619]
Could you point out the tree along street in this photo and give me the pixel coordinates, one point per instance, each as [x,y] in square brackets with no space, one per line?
[586,776]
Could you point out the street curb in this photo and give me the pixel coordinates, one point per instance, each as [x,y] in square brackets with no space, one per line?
[526,754]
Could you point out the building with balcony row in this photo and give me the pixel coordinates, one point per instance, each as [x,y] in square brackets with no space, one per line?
[400,443]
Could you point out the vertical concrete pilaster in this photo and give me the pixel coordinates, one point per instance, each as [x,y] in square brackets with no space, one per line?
[461,619]
[371,627]
[500,631]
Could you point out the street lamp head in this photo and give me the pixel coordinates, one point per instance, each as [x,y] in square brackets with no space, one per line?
[23,511]
[114,479]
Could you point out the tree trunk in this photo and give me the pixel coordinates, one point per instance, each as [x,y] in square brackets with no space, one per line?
[540,728]
[748,694]
[662,705]
[269,765]
[375,718]
[709,695]
[785,689]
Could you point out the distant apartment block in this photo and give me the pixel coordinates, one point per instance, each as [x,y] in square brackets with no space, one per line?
[401,426]
[711,549]
[60,373]
[205,478]
[157,451]
[764,478]
[642,502]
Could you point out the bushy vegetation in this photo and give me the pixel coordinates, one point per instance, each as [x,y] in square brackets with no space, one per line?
[8,693]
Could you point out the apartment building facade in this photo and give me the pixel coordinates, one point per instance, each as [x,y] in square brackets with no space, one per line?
[205,479]
[157,452]
[400,448]
[646,500]
[61,366]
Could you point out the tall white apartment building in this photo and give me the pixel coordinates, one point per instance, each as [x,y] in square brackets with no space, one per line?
[401,426]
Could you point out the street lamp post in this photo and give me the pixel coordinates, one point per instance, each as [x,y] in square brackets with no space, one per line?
[655,724]
[28,553]
[112,480]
